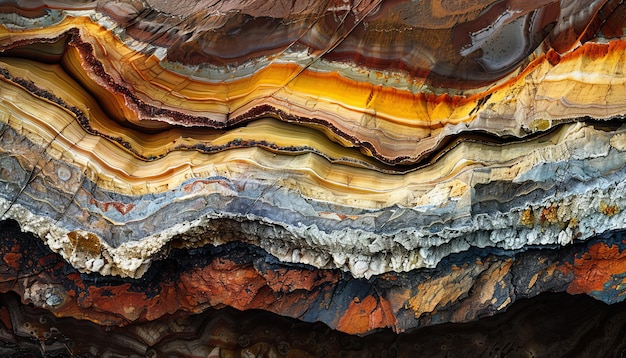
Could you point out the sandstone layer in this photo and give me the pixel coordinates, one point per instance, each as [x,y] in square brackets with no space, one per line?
[408,163]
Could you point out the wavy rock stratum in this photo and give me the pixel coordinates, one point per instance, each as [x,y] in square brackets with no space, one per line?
[365,164]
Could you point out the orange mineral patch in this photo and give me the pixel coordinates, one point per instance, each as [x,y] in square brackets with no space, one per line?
[594,268]
[363,315]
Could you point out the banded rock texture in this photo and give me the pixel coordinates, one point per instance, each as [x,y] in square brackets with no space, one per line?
[430,148]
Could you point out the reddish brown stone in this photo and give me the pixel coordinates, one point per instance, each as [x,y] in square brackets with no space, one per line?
[12,260]
[358,316]
[594,268]
[470,287]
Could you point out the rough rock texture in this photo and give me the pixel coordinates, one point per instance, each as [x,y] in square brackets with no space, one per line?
[462,288]
[172,309]
[549,325]
[368,165]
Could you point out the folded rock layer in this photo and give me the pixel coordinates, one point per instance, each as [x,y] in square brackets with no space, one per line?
[356,143]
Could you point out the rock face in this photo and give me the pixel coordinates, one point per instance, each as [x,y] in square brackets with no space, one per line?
[572,330]
[366,165]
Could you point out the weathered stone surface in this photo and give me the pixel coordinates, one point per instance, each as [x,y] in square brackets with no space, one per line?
[462,288]
[371,164]
[545,326]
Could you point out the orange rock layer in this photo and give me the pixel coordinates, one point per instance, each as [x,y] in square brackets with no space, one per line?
[397,119]
[397,163]
[560,323]
[467,287]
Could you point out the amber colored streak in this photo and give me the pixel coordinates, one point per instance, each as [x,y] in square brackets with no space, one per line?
[397,114]
[414,111]
[214,100]
[273,133]
[588,81]
[113,168]
[573,28]
[595,267]
[309,96]
[423,114]
[311,90]
[600,18]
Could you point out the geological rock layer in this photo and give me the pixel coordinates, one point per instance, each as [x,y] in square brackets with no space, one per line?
[522,330]
[403,163]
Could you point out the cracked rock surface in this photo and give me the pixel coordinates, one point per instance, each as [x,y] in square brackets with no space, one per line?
[371,164]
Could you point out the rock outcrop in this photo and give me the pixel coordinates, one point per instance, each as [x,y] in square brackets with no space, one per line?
[577,326]
[376,164]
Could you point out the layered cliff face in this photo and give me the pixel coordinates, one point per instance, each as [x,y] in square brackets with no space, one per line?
[367,165]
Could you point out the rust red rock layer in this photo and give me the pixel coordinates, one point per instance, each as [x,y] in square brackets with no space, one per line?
[366,164]
[463,288]
[549,325]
